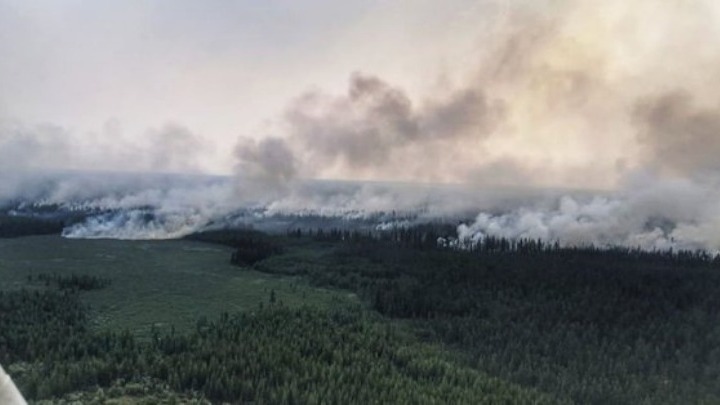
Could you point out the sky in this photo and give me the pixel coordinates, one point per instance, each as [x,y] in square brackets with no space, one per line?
[578,94]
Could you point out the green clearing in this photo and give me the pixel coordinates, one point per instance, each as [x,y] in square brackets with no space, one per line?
[155,283]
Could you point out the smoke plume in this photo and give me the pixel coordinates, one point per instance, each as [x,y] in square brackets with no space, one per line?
[654,215]
[564,94]
[680,136]
[264,168]
[581,122]
[568,94]
[364,128]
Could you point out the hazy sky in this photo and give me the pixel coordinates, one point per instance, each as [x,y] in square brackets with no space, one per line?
[220,68]
[573,93]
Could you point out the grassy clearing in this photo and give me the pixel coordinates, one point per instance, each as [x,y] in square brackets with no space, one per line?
[161,283]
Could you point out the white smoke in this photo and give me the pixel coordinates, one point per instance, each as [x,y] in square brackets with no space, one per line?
[170,213]
[138,224]
[562,94]
[127,206]
[648,214]
[132,206]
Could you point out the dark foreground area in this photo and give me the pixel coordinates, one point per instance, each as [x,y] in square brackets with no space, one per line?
[506,322]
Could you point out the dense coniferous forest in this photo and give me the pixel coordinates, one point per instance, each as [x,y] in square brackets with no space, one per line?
[272,355]
[498,321]
[19,219]
[611,325]
[16,226]
[250,246]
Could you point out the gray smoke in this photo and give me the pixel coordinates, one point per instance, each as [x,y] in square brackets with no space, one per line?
[575,94]
[171,148]
[39,169]
[648,212]
[152,206]
[368,131]
[653,215]
[126,205]
[615,96]
[268,160]
[680,136]
[174,148]
[582,95]
[24,148]
[365,127]
[264,170]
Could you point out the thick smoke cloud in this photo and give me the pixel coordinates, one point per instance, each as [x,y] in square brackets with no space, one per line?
[655,214]
[648,212]
[265,170]
[268,161]
[617,96]
[364,127]
[366,131]
[578,94]
[680,136]
[153,206]
[46,166]
[559,94]
[123,205]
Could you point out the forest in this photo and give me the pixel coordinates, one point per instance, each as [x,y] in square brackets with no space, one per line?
[16,226]
[500,321]
[272,355]
[592,325]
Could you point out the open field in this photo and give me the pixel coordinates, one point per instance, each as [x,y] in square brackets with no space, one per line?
[159,283]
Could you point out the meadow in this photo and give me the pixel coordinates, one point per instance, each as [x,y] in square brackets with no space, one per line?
[159,284]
